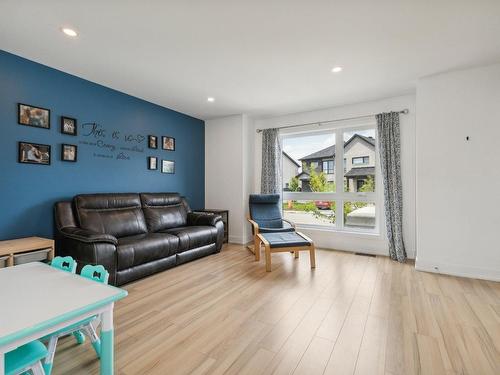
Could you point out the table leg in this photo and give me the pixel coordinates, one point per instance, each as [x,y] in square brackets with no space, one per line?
[2,364]
[107,350]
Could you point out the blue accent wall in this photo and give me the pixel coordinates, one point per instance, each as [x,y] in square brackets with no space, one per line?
[28,192]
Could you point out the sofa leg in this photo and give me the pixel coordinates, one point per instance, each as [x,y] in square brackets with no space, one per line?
[296,254]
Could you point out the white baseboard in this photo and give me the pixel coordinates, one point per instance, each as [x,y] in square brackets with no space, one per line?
[240,240]
[458,270]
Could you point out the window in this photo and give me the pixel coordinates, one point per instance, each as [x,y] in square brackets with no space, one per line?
[313,199]
[328,166]
[360,160]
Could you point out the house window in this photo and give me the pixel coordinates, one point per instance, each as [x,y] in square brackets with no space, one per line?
[360,160]
[328,166]
[326,200]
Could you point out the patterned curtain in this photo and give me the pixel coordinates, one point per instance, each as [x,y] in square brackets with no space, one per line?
[390,158]
[270,182]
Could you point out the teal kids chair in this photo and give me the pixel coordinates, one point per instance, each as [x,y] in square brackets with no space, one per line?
[98,274]
[26,358]
[67,264]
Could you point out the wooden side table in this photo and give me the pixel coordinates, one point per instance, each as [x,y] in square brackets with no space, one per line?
[225,219]
[26,250]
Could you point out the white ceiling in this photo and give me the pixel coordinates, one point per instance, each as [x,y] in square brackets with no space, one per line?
[256,56]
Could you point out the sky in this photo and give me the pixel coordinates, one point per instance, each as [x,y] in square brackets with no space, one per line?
[300,146]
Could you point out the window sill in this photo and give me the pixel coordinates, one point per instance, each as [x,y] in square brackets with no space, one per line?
[367,235]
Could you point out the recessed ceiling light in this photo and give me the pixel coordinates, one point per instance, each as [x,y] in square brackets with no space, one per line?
[210,99]
[337,69]
[69,32]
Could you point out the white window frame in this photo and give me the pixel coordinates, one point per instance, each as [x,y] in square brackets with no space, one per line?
[339,196]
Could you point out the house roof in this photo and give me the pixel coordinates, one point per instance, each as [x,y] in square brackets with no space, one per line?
[369,140]
[329,152]
[303,176]
[291,159]
[361,171]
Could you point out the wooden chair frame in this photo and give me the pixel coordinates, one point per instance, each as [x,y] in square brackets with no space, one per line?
[292,249]
[255,248]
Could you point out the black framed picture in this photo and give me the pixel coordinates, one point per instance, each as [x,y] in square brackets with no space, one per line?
[33,116]
[68,125]
[168,143]
[33,153]
[152,163]
[69,152]
[152,141]
[168,166]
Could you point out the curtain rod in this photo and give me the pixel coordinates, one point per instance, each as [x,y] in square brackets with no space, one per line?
[404,111]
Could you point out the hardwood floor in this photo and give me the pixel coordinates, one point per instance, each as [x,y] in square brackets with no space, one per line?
[225,314]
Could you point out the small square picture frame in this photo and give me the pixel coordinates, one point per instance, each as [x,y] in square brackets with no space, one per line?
[168,143]
[152,141]
[69,125]
[69,152]
[152,163]
[168,166]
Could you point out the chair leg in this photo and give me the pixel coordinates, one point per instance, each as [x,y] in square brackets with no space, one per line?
[312,255]
[296,252]
[49,358]
[79,336]
[94,338]
[268,259]
[256,247]
[37,369]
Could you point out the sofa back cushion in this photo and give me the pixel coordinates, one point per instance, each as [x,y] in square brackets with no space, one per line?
[164,210]
[117,214]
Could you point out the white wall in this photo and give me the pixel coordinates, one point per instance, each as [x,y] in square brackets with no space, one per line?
[458,216]
[229,170]
[348,241]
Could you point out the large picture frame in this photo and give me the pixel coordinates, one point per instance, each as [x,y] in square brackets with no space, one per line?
[33,153]
[30,115]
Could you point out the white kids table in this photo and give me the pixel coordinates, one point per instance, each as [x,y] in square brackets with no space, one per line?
[36,300]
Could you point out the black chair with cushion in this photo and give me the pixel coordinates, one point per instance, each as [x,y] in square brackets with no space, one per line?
[265,217]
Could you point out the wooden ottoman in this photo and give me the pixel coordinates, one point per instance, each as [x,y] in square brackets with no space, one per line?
[286,242]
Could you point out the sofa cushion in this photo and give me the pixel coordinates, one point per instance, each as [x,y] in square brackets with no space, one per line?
[117,214]
[164,210]
[194,236]
[143,248]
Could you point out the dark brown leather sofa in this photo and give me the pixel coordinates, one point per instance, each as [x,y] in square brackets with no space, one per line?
[134,235]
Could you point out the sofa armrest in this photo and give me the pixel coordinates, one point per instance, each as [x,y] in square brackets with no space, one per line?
[195,218]
[87,236]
